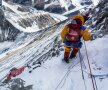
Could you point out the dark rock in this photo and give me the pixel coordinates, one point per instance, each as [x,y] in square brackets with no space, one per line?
[47,2]
[100,17]
[39,4]
[86,2]
[55,9]
[0,2]
[18,84]
[7,31]
[23,9]
[71,7]
[23,2]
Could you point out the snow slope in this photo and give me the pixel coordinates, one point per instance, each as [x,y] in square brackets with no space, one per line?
[54,74]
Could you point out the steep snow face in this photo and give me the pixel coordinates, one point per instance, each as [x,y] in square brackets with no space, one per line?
[98,55]
[53,73]
[99,19]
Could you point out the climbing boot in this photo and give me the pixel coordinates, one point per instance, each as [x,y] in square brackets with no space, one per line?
[74,52]
[66,60]
[66,57]
[72,56]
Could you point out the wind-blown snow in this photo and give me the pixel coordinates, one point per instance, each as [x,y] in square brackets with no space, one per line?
[53,71]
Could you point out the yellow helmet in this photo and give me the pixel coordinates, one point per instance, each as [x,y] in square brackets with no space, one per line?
[79,17]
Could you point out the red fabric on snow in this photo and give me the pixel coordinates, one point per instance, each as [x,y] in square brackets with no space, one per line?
[15,72]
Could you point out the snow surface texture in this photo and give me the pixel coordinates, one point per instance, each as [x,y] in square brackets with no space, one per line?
[54,74]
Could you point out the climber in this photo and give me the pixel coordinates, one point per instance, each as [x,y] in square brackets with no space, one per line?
[71,36]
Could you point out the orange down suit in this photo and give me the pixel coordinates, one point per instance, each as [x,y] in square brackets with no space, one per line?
[84,34]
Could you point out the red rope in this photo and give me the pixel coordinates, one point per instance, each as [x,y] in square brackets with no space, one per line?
[89,67]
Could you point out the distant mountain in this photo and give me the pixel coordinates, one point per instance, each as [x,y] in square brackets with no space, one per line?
[53,6]
[15,18]
[9,31]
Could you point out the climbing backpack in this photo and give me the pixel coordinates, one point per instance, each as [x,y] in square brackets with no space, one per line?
[73,35]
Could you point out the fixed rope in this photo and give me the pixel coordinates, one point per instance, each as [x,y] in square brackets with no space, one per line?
[64,77]
[81,59]
[93,84]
